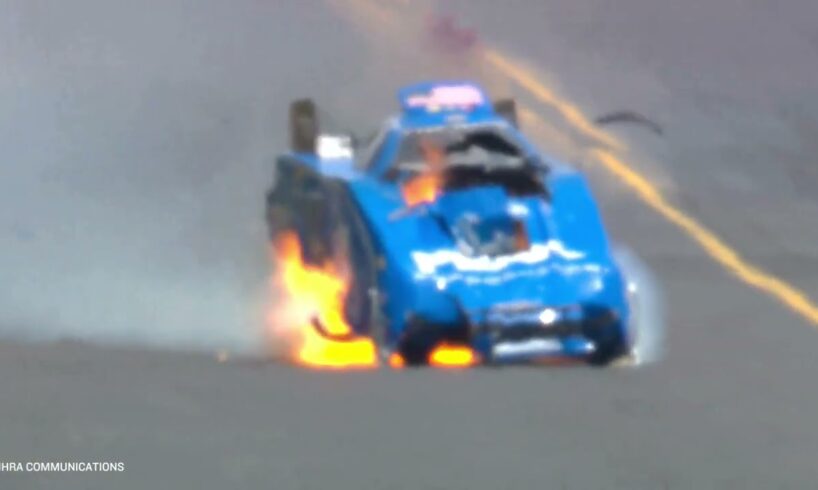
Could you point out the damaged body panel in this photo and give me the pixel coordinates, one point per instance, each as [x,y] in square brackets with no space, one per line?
[457,229]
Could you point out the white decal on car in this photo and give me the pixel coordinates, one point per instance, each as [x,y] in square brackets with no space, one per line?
[429,262]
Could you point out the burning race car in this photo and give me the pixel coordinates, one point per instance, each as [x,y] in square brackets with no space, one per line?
[447,229]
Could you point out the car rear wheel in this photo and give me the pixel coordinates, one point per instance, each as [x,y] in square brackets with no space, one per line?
[419,339]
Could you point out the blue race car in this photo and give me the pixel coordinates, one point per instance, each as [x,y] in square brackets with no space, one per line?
[457,231]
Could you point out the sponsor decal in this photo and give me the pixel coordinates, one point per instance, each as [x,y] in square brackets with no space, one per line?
[428,263]
[447,97]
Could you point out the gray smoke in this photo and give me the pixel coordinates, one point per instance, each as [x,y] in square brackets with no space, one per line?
[136,139]
[647,307]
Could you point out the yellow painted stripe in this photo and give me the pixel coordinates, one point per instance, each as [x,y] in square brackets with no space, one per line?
[570,112]
[560,144]
[715,247]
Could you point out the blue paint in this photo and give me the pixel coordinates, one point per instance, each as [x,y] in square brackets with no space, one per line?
[569,262]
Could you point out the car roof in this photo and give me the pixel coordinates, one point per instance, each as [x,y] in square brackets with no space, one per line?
[443,103]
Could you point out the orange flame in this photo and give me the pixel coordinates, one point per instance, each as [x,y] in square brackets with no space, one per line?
[319,292]
[421,189]
[316,293]
[446,355]
[426,187]
[396,361]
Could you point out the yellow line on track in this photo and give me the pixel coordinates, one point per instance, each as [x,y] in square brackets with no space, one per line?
[789,295]
[569,111]
[715,247]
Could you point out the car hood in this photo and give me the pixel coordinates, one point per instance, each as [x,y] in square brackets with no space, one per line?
[428,254]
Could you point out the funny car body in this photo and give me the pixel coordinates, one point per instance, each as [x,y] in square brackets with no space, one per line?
[455,229]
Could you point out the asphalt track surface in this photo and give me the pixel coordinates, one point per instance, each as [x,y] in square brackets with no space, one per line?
[135,141]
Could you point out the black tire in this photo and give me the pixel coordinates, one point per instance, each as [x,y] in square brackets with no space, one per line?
[507,109]
[304,128]
[415,351]
[417,343]
[608,337]
[607,353]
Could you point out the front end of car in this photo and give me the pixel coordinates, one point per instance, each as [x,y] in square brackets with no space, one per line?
[520,313]
[531,333]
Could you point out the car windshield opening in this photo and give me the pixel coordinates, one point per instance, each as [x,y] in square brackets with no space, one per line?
[469,158]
